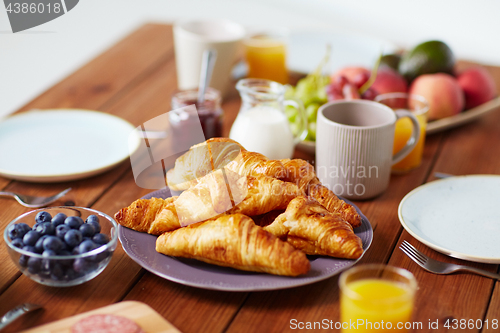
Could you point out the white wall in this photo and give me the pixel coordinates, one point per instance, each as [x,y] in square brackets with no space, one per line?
[33,60]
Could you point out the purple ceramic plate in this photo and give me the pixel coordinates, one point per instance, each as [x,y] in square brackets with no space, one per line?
[141,248]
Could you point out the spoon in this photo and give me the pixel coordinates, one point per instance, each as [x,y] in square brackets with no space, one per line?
[207,66]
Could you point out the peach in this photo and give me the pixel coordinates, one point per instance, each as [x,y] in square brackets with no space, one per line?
[443,93]
[478,86]
[388,80]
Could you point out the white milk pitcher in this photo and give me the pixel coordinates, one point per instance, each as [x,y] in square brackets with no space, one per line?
[261,124]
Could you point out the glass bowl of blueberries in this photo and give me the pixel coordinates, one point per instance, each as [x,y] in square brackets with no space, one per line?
[61,246]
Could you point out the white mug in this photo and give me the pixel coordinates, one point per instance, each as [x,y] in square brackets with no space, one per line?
[192,38]
[354,142]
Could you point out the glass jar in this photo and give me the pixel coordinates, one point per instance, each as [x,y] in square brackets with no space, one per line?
[209,112]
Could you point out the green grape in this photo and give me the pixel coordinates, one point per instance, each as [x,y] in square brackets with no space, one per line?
[311,134]
[312,112]
[291,113]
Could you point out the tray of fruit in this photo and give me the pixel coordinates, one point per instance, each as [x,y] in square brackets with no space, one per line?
[429,69]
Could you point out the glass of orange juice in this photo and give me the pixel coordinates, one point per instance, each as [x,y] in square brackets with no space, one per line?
[376,298]
[419,106]
[266,56]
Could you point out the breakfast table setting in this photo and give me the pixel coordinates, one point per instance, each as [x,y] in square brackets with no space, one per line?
[444,208]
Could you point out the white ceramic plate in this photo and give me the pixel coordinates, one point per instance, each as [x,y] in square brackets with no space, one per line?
[62,145]
[457,216]
[306,49]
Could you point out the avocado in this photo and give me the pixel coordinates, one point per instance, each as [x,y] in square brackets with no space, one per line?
[391,60]
[427,58]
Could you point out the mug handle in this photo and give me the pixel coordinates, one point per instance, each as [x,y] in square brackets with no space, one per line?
[303,120]
[412,141]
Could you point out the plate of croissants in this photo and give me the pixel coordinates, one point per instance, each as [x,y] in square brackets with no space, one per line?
[242,222]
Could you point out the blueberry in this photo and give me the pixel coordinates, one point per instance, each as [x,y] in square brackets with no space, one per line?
[82,266]
[87,230]
[87,246]
[57,272]
[23,260]
[43,217]
[61,230]
[58,219]
[100,239]
[45,228]
[96,225]
[17,230]
[53,243]
[25,226]
[17,242]
[75,251]
[65,262]
[92,218]
[39,244]
[29,249]
[34,265]
[31,238]
[49,253]
[74,222]
[73,238]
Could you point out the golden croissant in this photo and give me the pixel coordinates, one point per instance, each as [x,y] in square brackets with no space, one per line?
[308,226]
[154,216]
[208,199]
[217,153]
[234,241]
[302,174]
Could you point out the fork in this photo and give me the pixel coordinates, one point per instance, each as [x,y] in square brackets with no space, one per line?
[32,201]
[439,267]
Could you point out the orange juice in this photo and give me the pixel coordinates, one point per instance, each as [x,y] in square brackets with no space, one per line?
[417,105]
[266,58]
[404,128]
[381,305]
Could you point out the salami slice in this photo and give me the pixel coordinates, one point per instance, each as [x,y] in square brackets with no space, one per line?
[106,323]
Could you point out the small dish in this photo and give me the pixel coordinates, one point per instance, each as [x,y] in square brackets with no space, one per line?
[64,270]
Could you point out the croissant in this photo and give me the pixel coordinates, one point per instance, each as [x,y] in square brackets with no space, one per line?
[309,227]
[216,153]
[154,216]
[302,173]
[208,199]
[234,241]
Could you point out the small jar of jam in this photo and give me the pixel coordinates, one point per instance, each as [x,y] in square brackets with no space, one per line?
[209,111]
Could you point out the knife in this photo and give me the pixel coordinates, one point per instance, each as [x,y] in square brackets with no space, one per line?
[17,312]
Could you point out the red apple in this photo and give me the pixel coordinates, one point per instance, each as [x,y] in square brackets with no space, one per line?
[478,86]
[388,80]
[443,93]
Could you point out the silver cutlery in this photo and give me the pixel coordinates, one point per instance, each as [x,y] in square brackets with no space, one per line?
[442,175]
[17,312]
[439,267]
[33,201]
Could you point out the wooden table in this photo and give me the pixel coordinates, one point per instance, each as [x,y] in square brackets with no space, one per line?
[134,79]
